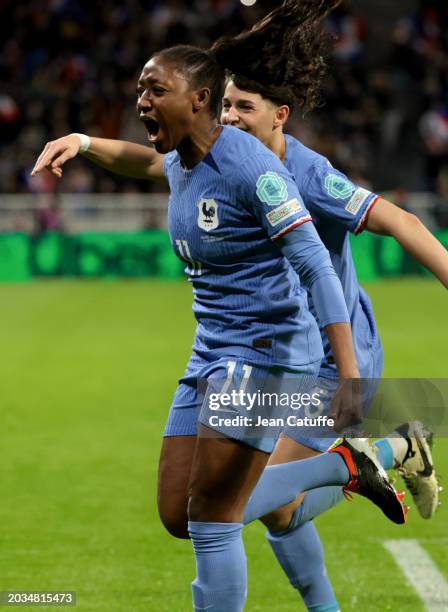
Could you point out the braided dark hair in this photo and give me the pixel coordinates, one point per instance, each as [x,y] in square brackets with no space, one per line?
[283,56]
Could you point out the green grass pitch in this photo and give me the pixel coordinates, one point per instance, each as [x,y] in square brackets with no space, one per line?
[88,371]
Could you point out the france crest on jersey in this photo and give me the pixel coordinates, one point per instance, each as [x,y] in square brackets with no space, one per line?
[208,218]
[224,218]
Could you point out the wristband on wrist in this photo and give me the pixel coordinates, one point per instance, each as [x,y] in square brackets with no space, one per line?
[85,142]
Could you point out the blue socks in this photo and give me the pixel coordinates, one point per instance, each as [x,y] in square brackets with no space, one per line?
[316,502]
[280,484]
[385,453]
[221,574]
[221,582]
[301,556]
[299,551]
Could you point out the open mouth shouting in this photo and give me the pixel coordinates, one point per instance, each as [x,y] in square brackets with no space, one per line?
[152,127]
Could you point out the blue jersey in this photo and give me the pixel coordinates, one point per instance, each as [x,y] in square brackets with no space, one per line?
[224,217]
[338,207]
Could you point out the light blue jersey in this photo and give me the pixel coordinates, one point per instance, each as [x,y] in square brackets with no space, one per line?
[338,207]
[224,218]
[237,219]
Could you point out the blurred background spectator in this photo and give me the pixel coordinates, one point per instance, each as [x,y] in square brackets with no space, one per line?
[48,216]
[71,65]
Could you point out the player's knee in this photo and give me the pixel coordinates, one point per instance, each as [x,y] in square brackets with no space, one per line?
[176,526]
[174,519]
[211,506]
[178,530]
[280,519]
[276,521]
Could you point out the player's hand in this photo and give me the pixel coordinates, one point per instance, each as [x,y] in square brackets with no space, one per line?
[346,406]
[56,153]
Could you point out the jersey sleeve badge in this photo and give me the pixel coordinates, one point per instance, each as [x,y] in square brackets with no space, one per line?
[357,200]
[283,212]
[272,189]
[338,187]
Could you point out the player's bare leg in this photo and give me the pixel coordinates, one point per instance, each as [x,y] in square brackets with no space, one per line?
[223,475]
[176,459]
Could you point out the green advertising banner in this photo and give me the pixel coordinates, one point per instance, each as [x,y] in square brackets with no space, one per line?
[381,256]
[149,253]
[88,255]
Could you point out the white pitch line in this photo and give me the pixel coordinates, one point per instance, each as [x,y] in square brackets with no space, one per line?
[421,572]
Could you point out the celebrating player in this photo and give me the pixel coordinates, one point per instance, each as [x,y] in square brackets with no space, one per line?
[226,184]
[247,303]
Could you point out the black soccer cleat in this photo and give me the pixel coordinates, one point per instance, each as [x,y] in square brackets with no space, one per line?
[368,478]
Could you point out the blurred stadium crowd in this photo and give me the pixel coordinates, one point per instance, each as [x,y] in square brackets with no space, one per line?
[71,65]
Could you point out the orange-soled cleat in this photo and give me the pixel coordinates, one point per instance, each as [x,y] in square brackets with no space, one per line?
[368,478]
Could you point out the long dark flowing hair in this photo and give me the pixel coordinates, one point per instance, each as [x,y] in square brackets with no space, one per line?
[282,57]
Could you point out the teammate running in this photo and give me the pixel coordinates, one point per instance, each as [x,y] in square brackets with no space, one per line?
[338,207]
[260,111]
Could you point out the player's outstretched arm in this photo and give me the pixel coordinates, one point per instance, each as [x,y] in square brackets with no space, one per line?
[118,156]
[387,219]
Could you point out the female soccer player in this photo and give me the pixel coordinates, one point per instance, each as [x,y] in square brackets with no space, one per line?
[252,314]
[338,207]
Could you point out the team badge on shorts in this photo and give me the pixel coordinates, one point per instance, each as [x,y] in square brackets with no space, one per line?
[338,187]
[208,214]
[272,189]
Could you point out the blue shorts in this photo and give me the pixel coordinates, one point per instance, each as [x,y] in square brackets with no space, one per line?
[327,387]
[206,380]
